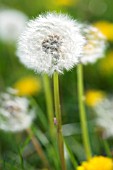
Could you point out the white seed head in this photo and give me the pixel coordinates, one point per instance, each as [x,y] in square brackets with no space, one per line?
[12,23]
[15,114]
[95,44]
[51,42]
[104,112]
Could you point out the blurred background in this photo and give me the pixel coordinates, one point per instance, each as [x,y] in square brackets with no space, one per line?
[97,76]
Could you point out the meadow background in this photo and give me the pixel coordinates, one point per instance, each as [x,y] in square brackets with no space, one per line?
[16,149]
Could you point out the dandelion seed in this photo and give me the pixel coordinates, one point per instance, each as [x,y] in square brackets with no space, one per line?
[12,23]
[51,42]
[55,121]
[15,114]
[95,44]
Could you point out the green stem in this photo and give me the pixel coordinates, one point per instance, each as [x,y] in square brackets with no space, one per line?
[83,120]
[59,121]
[49,103]
[107,148]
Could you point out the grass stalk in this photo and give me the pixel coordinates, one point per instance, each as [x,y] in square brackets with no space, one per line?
[38,148]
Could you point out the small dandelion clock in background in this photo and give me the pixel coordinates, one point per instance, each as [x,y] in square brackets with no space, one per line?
[15,114]
[104,116]
[95,44]
[94,48]
[12,23]
[51,43]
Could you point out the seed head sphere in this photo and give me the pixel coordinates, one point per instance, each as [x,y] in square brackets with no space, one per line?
[51,42]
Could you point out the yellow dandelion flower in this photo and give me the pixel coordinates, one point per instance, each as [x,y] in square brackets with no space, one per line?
[28,86]
[106,65]
[92,97]
[80,168]
[97,163]
[106,28]
[64,2]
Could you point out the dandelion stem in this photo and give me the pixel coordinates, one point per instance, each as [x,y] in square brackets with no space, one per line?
[38,147]
[49,103]
[59,120]
[83,120]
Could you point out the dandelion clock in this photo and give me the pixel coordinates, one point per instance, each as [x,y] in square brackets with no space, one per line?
[15,114]
[95,44]
[51,42]
[12,23]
